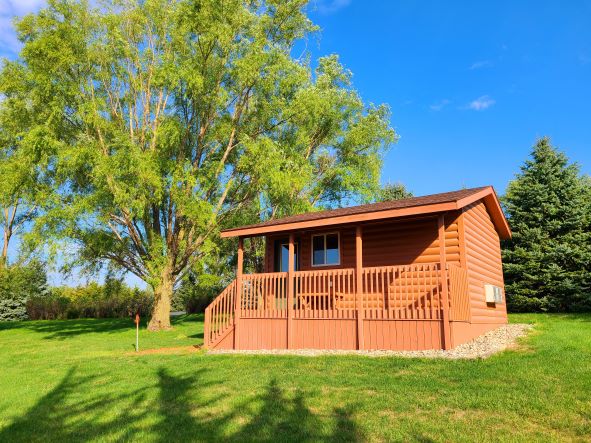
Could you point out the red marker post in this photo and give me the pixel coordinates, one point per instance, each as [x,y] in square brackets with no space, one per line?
[137,332]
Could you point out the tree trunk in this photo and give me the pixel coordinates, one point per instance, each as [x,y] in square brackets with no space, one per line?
[161,311]
[4,257]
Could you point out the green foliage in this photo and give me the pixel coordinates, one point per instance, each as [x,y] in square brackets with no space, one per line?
[23,157]
[166,119]
[113,299]
[18,284]
[547,263]
[196,291]
[393,191]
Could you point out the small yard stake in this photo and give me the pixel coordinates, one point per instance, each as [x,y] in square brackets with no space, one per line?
[137,332]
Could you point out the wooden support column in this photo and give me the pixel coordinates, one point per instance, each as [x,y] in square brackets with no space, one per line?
[290,290]
[238,300]
[444,286]
[359,284]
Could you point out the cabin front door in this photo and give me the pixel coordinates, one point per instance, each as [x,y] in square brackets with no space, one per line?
[282,256]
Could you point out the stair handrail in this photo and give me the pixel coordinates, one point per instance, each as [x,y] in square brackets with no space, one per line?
[219,315]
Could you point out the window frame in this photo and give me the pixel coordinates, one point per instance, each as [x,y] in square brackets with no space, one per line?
[338,263]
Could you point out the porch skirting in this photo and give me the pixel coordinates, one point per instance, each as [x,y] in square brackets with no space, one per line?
[261,333]
[341,334]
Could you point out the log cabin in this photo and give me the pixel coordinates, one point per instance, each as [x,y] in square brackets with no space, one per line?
[413,274]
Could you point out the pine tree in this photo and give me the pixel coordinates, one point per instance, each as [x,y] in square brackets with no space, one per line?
[547,263]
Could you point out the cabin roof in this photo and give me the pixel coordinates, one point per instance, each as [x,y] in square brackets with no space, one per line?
[428,204]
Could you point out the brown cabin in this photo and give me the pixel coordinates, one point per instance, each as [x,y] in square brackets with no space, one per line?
[412,274]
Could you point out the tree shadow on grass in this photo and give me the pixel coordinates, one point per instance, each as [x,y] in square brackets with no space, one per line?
[270,416]
[198,335]
[63,329]
[187,407]
[186,318]
[64,414]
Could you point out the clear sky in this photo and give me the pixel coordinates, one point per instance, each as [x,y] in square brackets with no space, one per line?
[471,85]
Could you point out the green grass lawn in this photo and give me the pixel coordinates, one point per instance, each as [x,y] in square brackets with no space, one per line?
[78,380]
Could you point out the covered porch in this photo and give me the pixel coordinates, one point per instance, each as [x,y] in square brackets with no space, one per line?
[317,298]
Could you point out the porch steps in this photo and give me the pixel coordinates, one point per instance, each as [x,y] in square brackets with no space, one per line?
[219,317]
[221,337]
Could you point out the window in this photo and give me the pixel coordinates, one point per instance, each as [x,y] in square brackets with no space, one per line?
[325,250]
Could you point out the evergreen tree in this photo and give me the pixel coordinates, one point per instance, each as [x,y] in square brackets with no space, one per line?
[548,261]
[18,283]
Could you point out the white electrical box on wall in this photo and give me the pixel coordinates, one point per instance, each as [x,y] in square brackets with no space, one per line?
[493,294]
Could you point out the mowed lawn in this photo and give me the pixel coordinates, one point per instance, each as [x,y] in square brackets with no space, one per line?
[79,380]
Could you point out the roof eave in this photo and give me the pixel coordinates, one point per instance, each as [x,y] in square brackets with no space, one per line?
[340,220]
[493,205]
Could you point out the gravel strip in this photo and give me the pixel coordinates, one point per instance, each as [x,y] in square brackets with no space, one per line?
[481,347]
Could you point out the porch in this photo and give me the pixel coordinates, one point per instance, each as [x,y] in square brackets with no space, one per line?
[410,306]
[398,307]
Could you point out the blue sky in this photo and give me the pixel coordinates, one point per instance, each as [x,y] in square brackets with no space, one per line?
[471,85]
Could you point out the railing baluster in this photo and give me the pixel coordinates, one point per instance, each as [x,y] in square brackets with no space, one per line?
[425,291]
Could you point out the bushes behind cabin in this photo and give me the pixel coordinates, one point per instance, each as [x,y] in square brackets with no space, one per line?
[90,301]
[25,295]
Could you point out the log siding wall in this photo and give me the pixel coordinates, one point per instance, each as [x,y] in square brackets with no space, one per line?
[483,263]
[393,243]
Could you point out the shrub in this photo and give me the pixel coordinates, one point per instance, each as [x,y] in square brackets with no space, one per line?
[520,303]
[194,294]
[18,284]
[113,299]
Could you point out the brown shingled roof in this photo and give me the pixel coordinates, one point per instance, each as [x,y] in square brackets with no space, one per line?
[427,201]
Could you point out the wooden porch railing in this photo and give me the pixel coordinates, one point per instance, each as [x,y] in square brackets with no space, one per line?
[412,292]
[264,295]
[324,293]
[402,292]
[219,315]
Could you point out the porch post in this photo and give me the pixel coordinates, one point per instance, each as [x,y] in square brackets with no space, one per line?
[238,300]
[290,290]
[359,284]
[444,289]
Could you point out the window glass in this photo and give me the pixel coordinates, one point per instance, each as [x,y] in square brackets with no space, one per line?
[318,250]
[332,249]
[325,249]
[284,258]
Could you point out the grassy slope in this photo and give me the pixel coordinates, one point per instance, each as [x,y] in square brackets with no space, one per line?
[75,380]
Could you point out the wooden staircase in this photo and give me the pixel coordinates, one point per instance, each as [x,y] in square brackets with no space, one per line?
[219,317]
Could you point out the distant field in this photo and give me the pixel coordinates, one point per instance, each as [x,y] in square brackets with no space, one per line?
[77,380]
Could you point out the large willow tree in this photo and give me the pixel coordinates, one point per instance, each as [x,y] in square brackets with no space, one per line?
[169,118]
